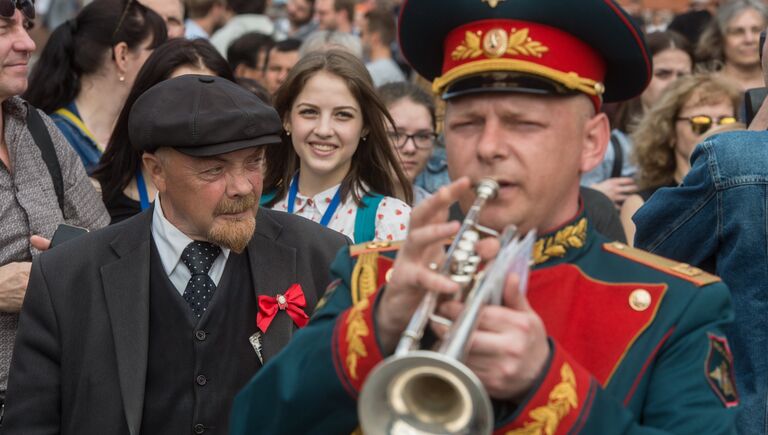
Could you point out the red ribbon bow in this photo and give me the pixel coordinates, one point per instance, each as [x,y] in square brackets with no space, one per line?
[292,302]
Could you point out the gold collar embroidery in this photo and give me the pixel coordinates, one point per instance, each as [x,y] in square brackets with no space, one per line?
[572,236]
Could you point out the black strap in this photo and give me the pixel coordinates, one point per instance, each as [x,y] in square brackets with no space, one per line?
[618,156]
[43,140]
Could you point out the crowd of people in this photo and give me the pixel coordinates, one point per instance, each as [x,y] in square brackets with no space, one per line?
[268,187]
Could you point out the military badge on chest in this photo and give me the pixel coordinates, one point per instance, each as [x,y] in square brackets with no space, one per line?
[719,371]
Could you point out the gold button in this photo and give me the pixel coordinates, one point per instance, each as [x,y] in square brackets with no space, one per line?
[599,88]
[640,299]
[388,275]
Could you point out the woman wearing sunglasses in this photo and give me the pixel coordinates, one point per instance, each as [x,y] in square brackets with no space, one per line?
[669,131]
[87,68]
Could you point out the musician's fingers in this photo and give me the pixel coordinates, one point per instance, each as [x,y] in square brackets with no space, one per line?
[450,309]
[433,281]
[488,248]
[485,344]
[430,209]
[419,239]
[512,296]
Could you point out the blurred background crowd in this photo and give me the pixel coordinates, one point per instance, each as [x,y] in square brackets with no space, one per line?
[706,54]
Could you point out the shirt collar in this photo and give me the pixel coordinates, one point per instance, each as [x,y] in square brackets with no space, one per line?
[320,201]
[170,241]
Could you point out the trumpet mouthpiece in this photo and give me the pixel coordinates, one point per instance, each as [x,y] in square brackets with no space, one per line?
[487,188]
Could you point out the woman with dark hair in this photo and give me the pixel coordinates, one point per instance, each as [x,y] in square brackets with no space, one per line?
[413,136]
[336,165]
[87,68]
[125,187]
[672,59]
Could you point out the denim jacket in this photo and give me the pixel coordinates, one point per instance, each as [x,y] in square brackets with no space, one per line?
[718,219]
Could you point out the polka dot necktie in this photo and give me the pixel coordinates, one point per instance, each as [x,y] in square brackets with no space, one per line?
[199,257]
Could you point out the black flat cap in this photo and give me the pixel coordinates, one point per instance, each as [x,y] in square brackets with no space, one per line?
[537,46]
[201,116]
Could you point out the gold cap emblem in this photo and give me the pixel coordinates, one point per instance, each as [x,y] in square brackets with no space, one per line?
[495,43]
[493,3]
[640,299]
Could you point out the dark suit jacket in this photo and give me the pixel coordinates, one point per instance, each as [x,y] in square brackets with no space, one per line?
[80,361]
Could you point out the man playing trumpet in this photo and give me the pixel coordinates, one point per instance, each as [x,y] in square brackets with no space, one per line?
[607,339]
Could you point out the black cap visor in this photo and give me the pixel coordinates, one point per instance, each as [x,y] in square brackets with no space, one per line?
[506,82]
[228,147]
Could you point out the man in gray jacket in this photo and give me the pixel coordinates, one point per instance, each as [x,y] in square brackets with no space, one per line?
[29,206]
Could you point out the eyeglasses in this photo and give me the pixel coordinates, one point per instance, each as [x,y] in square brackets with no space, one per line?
[122,18]
[700,124]
[8,8]
[421,140]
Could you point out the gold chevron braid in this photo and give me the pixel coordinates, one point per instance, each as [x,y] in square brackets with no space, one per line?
[572,236]
[562,400]
[364,276]
[357,330]
[363,286]
[518,44]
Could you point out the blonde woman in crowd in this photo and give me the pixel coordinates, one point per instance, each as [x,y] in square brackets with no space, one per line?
[670,130]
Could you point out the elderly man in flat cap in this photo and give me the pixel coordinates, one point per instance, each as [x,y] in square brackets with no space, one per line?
[151,326]
[607,339]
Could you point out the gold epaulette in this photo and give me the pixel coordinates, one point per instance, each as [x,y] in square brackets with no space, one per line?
[684,271]
[380,246]
[365,274]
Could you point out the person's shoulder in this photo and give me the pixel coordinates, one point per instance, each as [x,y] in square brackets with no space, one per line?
[395,203]
[89,249]
[294,225]
[636,265]
[742,140]
[735,153]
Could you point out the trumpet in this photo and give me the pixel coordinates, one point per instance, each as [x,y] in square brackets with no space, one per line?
[432,391]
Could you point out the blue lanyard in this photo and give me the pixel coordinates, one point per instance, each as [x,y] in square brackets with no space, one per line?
[143,197]
[328,212]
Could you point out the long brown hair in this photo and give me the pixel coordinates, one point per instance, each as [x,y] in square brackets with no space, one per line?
[374,163]
[654,138]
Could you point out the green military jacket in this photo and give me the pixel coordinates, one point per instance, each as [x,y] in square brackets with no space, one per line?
[637,346]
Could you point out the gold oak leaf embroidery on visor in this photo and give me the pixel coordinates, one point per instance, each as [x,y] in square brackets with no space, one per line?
[562,399]
[572,236]
[496,43]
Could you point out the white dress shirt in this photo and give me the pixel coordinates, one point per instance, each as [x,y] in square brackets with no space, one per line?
[171,242]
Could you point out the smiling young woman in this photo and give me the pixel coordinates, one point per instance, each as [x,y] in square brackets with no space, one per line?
[336,166]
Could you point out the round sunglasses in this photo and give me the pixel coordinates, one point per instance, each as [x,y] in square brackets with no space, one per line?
[700,124]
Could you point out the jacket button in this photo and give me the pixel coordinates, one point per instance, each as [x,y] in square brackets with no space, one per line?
[201,380]
[199,428]
[200,335]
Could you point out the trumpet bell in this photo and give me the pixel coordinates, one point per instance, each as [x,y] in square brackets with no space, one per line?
[424,393]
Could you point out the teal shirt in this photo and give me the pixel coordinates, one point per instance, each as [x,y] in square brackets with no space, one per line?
[637,346]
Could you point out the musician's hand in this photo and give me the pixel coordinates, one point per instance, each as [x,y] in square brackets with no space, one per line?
[509,349]
[411,273]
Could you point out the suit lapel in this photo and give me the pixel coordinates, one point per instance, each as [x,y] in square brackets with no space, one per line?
[126,289]
[273,270]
